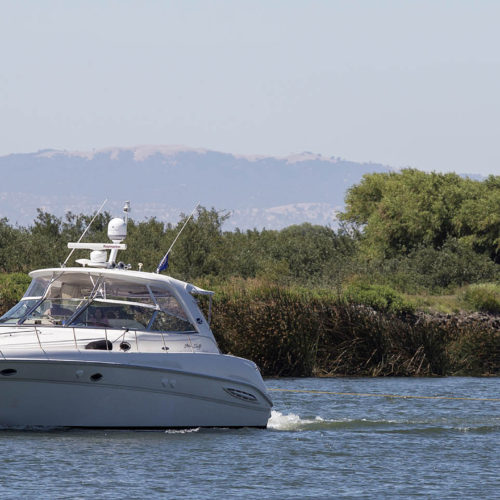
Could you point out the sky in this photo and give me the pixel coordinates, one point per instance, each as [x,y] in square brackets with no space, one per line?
[403,83]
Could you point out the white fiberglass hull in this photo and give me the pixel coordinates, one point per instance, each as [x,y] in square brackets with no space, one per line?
[94,390]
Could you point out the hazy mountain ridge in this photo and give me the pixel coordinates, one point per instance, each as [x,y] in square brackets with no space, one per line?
[162,181]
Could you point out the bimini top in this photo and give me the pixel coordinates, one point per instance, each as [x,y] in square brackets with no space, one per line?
[112,298]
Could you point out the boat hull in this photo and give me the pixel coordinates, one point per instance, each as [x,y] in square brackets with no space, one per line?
[105,394]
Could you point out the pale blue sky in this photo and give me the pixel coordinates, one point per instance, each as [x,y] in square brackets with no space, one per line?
[405,83]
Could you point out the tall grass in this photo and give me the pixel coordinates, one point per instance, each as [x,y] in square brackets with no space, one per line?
[484,297]
[296,333]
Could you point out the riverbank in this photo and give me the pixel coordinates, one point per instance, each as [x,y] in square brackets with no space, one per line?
[299,335]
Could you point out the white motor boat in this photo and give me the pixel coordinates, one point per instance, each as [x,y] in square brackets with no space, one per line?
[103,346]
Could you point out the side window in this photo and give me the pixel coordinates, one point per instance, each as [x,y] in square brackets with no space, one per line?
[168,303]
[164,322]
[128,316]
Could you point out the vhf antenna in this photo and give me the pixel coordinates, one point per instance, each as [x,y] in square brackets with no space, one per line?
[87,228]
[126,209]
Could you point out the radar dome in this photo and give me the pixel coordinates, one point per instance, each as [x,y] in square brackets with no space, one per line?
[117,230]
[99,256]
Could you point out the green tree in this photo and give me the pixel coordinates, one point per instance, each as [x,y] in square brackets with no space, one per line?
[198,249]
[399,212]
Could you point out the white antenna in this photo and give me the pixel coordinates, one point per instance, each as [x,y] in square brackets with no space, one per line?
[126,210]
[164,262]
[83,234]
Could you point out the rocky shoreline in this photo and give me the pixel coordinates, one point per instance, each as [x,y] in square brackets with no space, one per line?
[460,319]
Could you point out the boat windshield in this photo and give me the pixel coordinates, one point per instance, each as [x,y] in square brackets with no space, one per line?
[13,315]
[33,296]
[85,300]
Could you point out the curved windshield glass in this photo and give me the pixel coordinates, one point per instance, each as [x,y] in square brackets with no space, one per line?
[13,315]
[53,312]
[37,288]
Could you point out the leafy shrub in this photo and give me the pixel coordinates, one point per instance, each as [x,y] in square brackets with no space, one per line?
[484,297]
[453,265]
[12,288]
[380,297]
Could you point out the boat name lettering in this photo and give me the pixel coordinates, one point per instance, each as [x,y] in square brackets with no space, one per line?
[192,346]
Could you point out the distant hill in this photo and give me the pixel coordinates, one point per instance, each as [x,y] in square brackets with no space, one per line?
[163,181]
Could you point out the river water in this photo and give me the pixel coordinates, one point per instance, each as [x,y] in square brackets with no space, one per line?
[317,445]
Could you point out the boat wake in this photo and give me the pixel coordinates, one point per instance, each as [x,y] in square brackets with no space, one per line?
[293,422]
[182,431]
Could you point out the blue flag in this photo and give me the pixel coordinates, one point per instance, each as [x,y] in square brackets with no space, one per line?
[163,264]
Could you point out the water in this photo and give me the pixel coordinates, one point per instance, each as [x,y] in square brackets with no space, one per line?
[316,446]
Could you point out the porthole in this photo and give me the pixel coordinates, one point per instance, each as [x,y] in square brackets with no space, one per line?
[7,372]
[125,346]
[96,377]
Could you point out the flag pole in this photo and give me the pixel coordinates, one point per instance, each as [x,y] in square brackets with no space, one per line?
[164,262]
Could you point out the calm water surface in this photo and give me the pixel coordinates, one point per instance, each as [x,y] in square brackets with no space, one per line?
[316,446]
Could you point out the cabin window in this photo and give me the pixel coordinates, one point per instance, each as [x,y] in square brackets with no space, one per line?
[134,317]
[163,322]
[114,315]
[94,316]
[124,291]
[168,303]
